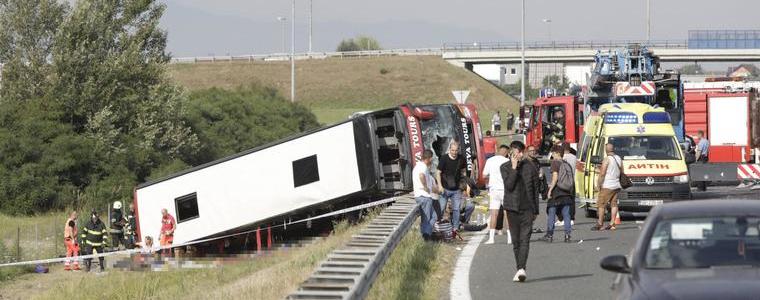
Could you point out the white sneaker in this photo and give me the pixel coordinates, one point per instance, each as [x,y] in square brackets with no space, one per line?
[489,242]
[520,276]
[572,223]
[559,223]
[500,232]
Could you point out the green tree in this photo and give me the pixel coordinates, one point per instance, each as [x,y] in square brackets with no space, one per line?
[514,91]
[360,43]
[556,82]
[691,69]
[229,122]
[27,28]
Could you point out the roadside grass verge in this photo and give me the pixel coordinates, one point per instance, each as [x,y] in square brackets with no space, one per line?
[271,276]
[29,237]
[416,270]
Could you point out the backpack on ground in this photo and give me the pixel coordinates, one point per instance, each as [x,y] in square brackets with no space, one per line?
[565,178]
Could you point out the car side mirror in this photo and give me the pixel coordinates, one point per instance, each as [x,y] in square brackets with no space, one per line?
[616,263]
[597,160]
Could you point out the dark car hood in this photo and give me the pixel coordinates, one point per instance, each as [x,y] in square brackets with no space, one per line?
[708,283]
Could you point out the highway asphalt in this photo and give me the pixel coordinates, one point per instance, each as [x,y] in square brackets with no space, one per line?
[561,270]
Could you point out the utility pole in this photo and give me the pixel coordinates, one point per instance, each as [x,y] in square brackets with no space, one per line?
[649,22]
[311,18]
[522,57]
[293,52]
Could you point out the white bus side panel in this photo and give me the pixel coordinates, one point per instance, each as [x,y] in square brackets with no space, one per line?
[255,186]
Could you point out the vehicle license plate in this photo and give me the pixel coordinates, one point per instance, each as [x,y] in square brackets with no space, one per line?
[650,202]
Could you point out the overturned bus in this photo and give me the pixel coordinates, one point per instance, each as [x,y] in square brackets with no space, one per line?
[367,157]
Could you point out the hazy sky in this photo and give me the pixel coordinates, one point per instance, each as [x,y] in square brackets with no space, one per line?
[202,27]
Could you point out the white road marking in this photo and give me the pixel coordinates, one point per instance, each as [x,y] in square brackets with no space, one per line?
[460,284]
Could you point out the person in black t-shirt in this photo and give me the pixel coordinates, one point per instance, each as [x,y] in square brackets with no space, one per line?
[451,169]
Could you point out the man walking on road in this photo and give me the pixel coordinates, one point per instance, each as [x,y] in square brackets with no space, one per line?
[423,184]
[609,186]
[452,169]
[703,149]
[521,202]
[492,173]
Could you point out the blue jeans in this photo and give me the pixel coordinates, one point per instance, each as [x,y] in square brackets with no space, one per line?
[427,217]
[469,208]
[552,213]
[456,201]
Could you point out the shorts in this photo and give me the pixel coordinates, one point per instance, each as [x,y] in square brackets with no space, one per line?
[607,196]
[497,127]
[496,198]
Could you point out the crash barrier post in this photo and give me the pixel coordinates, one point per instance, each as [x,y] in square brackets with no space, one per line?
[258,239]
[269,237]
[349,272]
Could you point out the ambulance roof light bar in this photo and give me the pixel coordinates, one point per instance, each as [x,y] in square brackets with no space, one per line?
[620,118]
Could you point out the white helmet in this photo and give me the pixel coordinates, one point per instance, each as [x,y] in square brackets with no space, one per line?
[117,205]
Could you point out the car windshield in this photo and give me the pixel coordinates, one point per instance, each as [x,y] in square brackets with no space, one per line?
[704,242]
[646,147]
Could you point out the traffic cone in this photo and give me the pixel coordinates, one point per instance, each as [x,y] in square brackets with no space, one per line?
[617,219]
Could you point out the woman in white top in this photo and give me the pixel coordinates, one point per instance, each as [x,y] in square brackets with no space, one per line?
[608,184]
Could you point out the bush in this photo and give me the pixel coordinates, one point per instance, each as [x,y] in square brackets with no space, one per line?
[384,71]
[227,122]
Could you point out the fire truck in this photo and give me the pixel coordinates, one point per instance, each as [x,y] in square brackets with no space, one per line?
[728,112]
[629,75]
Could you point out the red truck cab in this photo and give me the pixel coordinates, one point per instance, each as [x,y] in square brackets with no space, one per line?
[543,115]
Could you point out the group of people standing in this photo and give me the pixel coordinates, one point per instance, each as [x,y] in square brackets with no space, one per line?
[94,236]
[443,192]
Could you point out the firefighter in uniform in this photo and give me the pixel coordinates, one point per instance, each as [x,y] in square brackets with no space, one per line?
[117,226]
[94,236]
[129,228]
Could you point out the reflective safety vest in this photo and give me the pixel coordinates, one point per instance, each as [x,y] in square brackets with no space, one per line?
[94,234]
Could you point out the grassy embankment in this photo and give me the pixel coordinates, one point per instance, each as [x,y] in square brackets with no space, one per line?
[415,270]
[335,88]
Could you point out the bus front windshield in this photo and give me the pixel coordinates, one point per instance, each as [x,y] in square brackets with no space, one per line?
[646,147]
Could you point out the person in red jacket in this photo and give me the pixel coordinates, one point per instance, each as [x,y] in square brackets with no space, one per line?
[168,225]
[489,145]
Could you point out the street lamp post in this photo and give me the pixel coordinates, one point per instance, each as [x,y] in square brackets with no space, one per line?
[649,22]
[548,23]
[283,20]
[522,56]
[293,52]
[311,10]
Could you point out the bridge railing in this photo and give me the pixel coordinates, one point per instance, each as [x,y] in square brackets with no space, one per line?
[559,45]
[448,47]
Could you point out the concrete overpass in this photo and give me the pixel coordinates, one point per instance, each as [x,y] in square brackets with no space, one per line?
[467,55]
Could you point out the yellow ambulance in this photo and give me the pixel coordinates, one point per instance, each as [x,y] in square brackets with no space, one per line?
[643,137]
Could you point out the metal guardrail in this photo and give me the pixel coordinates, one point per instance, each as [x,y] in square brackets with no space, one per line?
[313,55]
[562,45]
[348,272]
